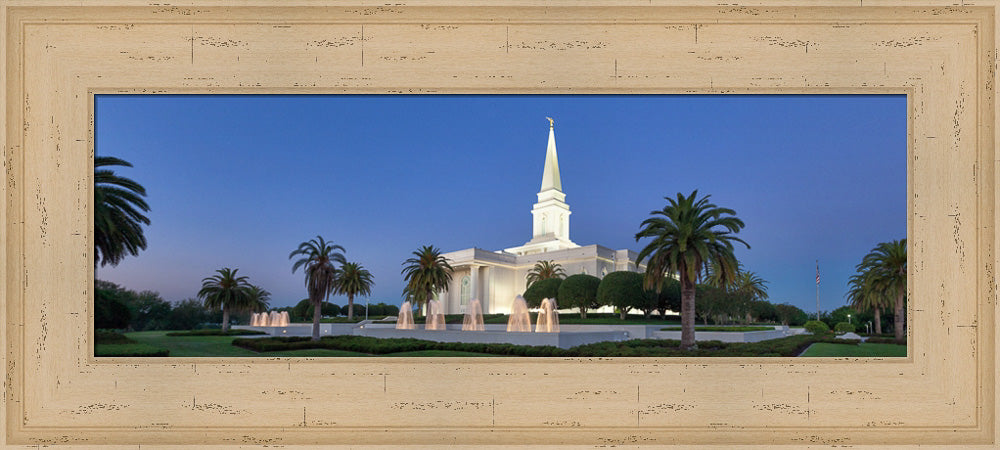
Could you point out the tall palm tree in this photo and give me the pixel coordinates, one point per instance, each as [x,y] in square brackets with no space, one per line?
[354,280]
[259,299]
[886,264]
[318,258]
[225,290]
[690,234]
[544,270]
[749,287]
[865,295]
[118,218]
[426,273]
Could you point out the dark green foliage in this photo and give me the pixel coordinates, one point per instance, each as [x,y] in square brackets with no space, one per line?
[623,289]
[215,332]
[790,314]
[669,297]
[817,327]
[110,310]
[579,291]
[763,311]
[838,315]
[788,346]
[303,311]
[729,329]
[542,289]
[118,213]
[111,337]
[382,309]
[843,327]
[137,350]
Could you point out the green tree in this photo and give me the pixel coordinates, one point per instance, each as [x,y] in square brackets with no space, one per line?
[669,297]
[226,291]
[317,258]
[687,234]
[110,310]
[623,289]
[544,270]
[354,280]
[886,265]
[187,314]
[427,272]
[579,291]
[540,290]
[864,294]
[259,299]
[749,289]
[118,213]
[790,314]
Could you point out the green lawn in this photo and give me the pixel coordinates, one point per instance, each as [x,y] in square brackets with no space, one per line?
[860,350]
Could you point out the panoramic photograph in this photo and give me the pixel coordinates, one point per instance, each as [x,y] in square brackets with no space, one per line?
[500,225]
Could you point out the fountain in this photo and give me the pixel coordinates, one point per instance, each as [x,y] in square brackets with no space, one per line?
[272,319]
[435,318]
[473,320]
[405,319]
[548,318]
[520,319]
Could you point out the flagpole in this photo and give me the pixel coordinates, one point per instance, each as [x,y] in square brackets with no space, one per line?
[817,289]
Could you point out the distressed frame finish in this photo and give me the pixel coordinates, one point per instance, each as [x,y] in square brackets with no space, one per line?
[58,54]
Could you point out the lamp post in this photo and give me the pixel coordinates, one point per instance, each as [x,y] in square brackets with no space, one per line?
[848,318]
[366,309]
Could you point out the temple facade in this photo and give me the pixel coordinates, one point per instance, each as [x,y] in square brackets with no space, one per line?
[496,277]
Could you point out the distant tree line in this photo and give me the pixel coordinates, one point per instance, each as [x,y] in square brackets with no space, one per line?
[117,307]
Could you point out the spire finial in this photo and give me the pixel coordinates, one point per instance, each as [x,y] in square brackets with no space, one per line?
[552,123]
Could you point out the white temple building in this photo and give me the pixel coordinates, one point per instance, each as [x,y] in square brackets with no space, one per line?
[496,277]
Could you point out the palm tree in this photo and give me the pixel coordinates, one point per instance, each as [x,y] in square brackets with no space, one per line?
[225,290]
[426,273]
[865,295]
[318,257]
[544,270]
[691,234]
[118,218]
[751,287]
[886,265]
[259,299]
[354,280]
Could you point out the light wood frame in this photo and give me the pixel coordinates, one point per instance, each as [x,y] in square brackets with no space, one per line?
[58,54]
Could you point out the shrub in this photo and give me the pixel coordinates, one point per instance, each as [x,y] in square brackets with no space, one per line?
[579,291]
[111,337]
[843,327]
[109,310]
[542,289]
[142,350]
[623,289]
[816,327]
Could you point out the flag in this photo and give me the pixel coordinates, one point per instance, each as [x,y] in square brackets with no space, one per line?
[817,273]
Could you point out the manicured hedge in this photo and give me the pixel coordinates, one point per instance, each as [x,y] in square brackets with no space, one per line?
[883,340]
[733,329]
[215,332]
[816,327]
[129,350]
[788,346]
[111,337]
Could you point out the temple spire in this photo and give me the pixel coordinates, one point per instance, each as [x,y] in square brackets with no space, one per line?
[550,175]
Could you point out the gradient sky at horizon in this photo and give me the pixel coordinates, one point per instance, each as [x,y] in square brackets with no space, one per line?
[240,181]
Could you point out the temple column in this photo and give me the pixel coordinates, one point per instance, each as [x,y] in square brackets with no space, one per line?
[473,284]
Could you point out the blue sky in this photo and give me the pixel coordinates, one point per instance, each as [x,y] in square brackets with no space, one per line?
[240,181]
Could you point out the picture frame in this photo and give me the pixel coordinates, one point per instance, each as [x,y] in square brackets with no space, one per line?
[58,54]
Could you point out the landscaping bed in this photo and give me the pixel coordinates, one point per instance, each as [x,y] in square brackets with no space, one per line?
[788,346]
[732,329]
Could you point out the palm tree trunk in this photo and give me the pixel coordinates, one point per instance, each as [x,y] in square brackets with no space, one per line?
[350,307]
[317,313]
[624,313]
[878,321]
[583,312]
[687,315]
[900,319]
[225,318]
